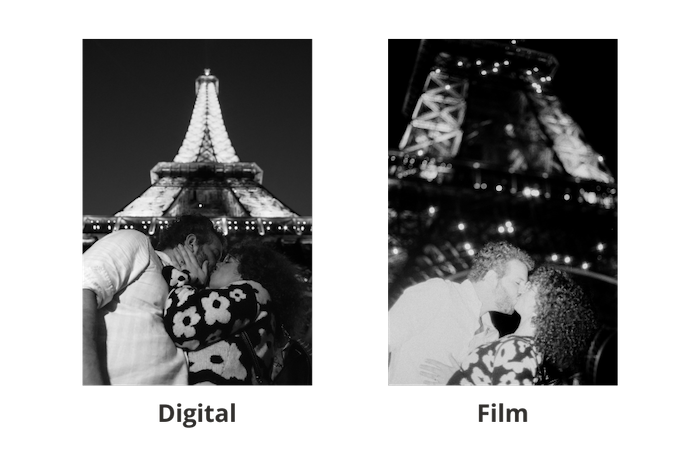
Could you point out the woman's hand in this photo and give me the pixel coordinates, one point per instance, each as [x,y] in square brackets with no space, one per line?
[186,259]
[437,373]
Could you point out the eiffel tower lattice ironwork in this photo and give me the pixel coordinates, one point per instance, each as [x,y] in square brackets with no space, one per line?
[489,154]
[206,177]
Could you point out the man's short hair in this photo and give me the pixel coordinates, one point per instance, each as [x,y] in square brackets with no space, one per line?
[495,256]
[202,228]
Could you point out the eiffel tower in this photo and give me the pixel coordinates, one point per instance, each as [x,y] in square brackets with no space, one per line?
[490,154]
[207,177]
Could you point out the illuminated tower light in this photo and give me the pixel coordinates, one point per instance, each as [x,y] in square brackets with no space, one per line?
[584,265]
[555,257]
[567,259]
[467,246]
[600,247]
[206,115]
[461,226]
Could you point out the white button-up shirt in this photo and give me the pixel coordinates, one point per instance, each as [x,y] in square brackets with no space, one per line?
[124,271]
[436,319]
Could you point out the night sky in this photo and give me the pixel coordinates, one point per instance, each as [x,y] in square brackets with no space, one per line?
[138,97]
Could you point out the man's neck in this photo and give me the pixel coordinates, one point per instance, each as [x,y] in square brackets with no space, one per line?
[169,253]
[484,294]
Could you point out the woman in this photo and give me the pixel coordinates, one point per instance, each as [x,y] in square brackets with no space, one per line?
[235,331]
[548,347]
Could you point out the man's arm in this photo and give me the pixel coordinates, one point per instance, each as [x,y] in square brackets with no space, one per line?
[412,312]
[91,362]
[109,266]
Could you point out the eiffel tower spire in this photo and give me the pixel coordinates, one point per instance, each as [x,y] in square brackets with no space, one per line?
[206,177]
[206,139]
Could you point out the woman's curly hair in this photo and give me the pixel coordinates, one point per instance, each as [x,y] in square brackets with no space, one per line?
[565,320]
[274,271]
[495,256]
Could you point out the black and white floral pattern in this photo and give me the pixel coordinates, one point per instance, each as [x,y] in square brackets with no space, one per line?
[207,323]
[509,361]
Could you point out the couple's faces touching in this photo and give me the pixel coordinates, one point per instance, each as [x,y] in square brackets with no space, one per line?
[515,293]
[210,251]
[225,273]
[510,286]
[221,272]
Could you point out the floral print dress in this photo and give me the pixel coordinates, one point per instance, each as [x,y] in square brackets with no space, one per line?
[208,324]
[511,360]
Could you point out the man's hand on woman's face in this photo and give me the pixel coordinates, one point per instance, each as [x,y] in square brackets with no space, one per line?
[186,259]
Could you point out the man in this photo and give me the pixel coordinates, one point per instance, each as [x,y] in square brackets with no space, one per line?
[124,294]
[443,321]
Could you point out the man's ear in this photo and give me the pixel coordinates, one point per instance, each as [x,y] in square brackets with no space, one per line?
[191,241]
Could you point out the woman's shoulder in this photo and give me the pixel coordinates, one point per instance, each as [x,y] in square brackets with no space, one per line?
[505,341]
[515,339]
[514,344]
[511,349]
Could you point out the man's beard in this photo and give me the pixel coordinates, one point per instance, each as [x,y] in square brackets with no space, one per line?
[503,302]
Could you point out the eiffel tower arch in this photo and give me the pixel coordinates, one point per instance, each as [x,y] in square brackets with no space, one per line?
[207,177]
[490,153]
